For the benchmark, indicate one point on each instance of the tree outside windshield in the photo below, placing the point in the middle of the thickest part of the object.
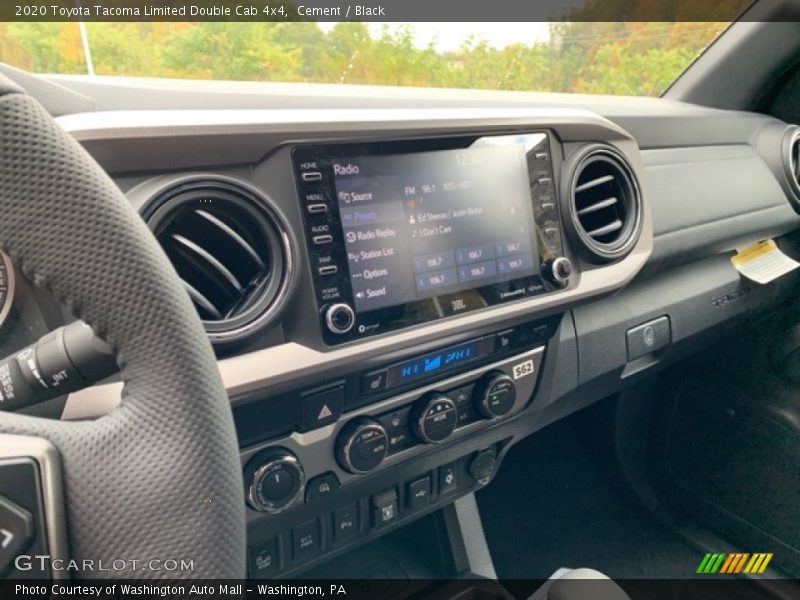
(586, 57)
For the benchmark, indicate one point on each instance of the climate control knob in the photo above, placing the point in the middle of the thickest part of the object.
(362, 445)
(339, 318)
(495, 395)
(558, 271)
(434, 418)
(276, 480)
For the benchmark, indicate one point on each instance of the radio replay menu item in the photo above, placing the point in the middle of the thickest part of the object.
(432, 223)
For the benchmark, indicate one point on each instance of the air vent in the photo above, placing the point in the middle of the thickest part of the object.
(229, 250)
(791, 160)
(605, 206)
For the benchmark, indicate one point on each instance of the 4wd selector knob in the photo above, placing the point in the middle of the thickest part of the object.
(434, 418)
(361, 445)
(495, 395)
(276, 480)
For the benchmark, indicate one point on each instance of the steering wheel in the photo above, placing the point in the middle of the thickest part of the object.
(159, 477)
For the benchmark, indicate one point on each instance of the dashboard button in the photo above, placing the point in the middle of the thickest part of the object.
(462, 395)
(319, 240)
(345, 523)
(504, 340)
(323, 407)
(305, 540)
(322, 486)
(311, 176)
(328, 270)
(264, 560)
(384, 508)
(467, 415)
(448, 478)
(419, 493)
(317, 208)
(373, 383)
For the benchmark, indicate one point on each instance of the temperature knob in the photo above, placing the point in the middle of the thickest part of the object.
(434, 418)
(495, 395)
(362, 445)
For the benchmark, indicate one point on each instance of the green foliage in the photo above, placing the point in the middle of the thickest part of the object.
(587, 57)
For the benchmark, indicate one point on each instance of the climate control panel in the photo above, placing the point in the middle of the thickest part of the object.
(377, 436)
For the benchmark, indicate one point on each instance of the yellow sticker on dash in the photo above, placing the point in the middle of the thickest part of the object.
(763, 262)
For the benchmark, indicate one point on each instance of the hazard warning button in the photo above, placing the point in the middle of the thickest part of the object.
(322, 407)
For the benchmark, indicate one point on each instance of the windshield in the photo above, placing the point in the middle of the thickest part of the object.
(586, 57)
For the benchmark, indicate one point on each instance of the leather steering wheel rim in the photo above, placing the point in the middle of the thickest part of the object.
(159, 477)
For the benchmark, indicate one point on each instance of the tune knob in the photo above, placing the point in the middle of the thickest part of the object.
(362, 445)
(558, 271)
(276, 480)
(339, 318)
(434, 418)
(495, 395)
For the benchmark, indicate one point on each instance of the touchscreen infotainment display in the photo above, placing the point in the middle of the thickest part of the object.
(424, 224)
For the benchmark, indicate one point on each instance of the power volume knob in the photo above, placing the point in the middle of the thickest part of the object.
(362, 445)
(558, 271)
(339, 318)
(434, 418)
(495, 395)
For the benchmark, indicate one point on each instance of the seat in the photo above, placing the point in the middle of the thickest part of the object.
(579, 584)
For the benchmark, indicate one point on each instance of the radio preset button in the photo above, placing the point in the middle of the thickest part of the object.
(340, 318)
(495, 395)
(434, 418)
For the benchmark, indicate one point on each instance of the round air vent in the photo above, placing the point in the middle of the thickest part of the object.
(229, 249)
(791, 160)
(604, 203)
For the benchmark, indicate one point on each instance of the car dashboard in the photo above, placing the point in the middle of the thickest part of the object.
(397, 296)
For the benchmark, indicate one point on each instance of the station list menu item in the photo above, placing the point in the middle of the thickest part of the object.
(431, 223)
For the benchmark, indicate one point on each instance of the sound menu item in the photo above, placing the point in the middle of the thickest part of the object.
(424, 224)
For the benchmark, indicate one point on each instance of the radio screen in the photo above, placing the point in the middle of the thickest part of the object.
(431, 223)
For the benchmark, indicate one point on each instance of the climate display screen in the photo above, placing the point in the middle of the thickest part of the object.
(424, 224)
(440, 361)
